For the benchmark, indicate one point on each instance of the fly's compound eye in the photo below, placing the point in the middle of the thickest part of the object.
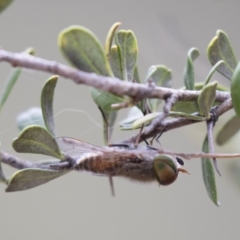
(165, 169)
(180, 161)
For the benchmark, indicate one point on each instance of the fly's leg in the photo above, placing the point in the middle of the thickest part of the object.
(138, 137)
(107, 134)
(148, 145)
(157, 139)
(119, 145)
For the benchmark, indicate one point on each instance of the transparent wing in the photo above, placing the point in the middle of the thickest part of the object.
(76, 148)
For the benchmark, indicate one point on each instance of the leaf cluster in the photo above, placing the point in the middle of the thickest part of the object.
(118, 58)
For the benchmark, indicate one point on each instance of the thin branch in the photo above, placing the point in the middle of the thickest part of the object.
(223, 107)
(170, 124)
(19, 163)
(169, 102)
(113, 85)
(200, 154)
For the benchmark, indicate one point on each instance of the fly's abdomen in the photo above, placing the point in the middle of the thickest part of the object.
(97, 163)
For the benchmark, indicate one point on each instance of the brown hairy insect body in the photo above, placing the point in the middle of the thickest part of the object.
(142, 163)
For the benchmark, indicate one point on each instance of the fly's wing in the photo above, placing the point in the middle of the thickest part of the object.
(76, 148)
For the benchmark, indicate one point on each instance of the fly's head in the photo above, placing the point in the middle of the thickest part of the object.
(166, 168)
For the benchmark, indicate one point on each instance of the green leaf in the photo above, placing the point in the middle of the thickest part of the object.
(35, 139)
(4, 4)
(220, 49)
(190, 107)
(83, 49)
(47, 103)
(10, 82)
(208, 175)
(110, 36)
(230, 128)
(161, 76)
(235, 90)
(187, 107)
(115, 62)
(212, 71)
(133, 114)
(30, 178)
(127, 43)
(206, 99)
(186, 115)
(32, 116)
(12, 79)
(145, 120)
(104, 100)
(189, 80)
(136, 77)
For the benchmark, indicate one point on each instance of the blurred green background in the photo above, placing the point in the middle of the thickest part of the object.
(80, 205)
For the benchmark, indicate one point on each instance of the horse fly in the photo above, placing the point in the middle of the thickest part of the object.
(139, 163)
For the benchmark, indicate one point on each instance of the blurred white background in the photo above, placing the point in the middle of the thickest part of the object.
(79, 205)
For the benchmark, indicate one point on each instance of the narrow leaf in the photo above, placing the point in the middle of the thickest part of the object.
(104, 100)
(35, 139)
(230, 128)
(189, 80)
(145, 120)
(133, 114)
(127, 43)
(32, 116)
(83, 49)
(190, 107)
(235, 90)
(12, 79)
(4, 4)
(161, 76)
(47, 103)
(110, 36)
(30, 178)
(208, 175)
(10, 82)
(220, 49)
(206, 99)
(212, 71)
(136, 77)
(186, 115)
